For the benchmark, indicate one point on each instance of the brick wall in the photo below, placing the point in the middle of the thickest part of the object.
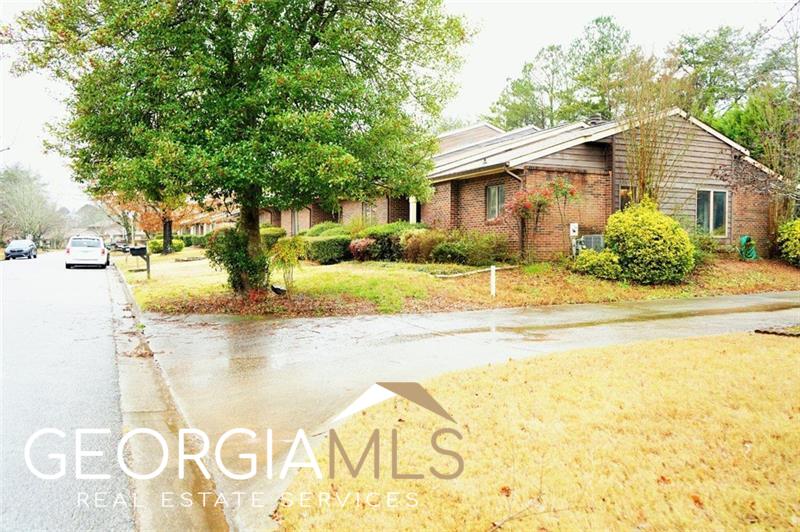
(350, 210)
(470, 211)
(750, 216)
(397, 209)
(590, 210)
(462, 204)
(439, 211)
(318, 214)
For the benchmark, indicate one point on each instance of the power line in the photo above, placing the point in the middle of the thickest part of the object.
(779, 20)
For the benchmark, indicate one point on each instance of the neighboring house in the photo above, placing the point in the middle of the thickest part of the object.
(384, 209)
(204, 221)
(479, 166)
(472, 181)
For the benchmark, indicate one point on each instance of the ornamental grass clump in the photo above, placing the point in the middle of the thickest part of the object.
(652, 247)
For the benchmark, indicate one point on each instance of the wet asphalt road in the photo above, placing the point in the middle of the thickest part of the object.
(58, 370)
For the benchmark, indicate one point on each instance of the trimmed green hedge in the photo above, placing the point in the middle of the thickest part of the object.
(652, 247)
(328, 249)
(270, 235)
(322, 227)
(177, 245)
(200, 241)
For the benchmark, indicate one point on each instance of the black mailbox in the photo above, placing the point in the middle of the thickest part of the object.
(139, 251)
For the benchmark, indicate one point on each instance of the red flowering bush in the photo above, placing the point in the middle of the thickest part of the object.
(529, 204)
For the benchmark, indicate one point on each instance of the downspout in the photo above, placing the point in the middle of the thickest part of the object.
(522, 228)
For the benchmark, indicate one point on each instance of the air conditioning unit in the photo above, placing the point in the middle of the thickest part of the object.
(594, 242)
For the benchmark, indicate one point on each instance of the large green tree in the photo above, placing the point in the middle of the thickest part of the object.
(269, 103)
(564, 84)
(597, 60)
(723, 66)
(25, 209)
(538, 95)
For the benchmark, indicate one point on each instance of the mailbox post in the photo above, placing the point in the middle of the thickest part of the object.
(141, 251)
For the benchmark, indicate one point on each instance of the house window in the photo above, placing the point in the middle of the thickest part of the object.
(712, 212)
(625, 196)
(495, 197)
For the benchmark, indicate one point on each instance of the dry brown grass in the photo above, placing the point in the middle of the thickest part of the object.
(697, 434)
(374, 287)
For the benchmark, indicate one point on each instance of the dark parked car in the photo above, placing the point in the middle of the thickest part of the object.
(20, 248)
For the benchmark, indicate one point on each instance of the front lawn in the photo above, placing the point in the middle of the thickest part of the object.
(186, 282)
(693, 434)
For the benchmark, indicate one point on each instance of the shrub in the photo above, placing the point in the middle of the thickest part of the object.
(357, 224)
(652, 247)
(387, 238)
(187, 239)
(328, 249)
(484, 249)
(155, 245)
(270, 235)
(227, 249)
(450, 251)
(336, 231)
(177, 245)
(789, 241)
(321, 227)
(363, 249)
(200, 241)
(418, 244)
(705, 246)
(285, 255)
(603, 264)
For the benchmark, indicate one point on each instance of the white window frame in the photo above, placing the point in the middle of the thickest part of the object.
(711, 192)
(500, 187)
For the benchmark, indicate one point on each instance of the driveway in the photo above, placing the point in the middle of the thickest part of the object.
(58, 370)
(230, 372)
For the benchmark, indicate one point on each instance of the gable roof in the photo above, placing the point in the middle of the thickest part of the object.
(467, 135)
(515, 148)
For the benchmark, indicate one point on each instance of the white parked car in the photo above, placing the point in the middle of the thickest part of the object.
(86, 251)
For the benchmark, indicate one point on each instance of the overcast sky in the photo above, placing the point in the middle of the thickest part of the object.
(509, 33)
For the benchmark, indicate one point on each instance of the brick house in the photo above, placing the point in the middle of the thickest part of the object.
(471, 181)
(384, 209)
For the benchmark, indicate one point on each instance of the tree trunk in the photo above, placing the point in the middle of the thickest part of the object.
(248, 222)
(167, 232)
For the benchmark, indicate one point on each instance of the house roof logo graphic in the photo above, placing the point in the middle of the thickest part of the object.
(381, 391)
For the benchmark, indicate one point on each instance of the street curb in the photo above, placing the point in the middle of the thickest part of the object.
(164, 384)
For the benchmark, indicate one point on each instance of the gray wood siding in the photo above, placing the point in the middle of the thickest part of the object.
(697, 155)
(591, 157)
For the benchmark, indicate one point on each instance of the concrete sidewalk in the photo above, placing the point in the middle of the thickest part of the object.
(227, 372)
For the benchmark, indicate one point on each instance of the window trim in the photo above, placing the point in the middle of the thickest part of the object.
(500, 201)
(711, 192)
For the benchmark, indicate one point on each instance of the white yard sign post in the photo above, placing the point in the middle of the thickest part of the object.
(493, 280)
